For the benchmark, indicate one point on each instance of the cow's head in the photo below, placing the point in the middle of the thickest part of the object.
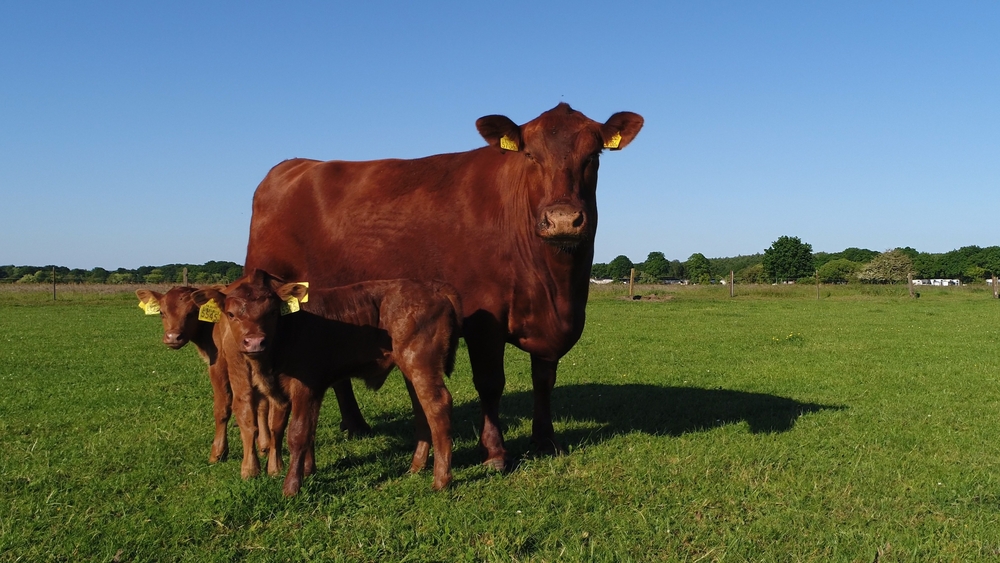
(251, 307)
(177, 310)
(559, 152)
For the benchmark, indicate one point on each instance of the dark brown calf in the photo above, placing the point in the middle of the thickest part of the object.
(362, 331)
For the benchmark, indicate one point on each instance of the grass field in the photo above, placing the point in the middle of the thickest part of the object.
(775, 426)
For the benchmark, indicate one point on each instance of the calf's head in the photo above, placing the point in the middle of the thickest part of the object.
(177, 310)
(555, 158)
(250, 307)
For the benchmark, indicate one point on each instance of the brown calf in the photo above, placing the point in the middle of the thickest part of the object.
(362, 331)
(180, 326)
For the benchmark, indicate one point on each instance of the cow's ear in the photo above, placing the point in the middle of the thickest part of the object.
(299, 291)
(499, 131)
(620, 129)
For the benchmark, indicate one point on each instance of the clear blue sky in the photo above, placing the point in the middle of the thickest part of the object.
(134, 134)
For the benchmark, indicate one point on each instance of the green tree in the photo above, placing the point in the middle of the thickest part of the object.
(891, 266)
(752, 274)
(698, 268)
(840, 270)
(155, 276)
(788, 258)
(656, 266)
(620, 268)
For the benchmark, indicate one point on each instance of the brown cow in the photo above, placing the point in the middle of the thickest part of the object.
(511, 226)
(362, 331)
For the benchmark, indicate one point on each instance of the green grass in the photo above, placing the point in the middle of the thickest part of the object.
(770, 427)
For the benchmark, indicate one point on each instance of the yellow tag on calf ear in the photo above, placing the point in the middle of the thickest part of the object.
(305, 297)
(290, 306)
(210, 312)
(507, 144)
(613, 142)
(151, 307)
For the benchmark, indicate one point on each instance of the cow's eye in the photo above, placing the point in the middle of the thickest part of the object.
(230, 315)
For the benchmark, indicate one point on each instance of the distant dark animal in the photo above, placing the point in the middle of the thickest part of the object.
(363, 331)
(510, 225)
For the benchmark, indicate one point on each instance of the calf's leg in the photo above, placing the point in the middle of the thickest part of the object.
(301, 434)
(433, 415)
(246, 417)
(222, 400)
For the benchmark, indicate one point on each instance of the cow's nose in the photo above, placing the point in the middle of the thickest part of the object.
(562, 221)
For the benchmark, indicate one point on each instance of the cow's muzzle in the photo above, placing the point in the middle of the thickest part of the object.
(563, 225)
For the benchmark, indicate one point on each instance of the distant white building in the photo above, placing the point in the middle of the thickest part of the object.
(938, 282)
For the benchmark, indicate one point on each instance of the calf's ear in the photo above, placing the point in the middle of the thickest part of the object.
(299, 291)
(499, 131)
(203, 296)
(620, 129)
(145, 296)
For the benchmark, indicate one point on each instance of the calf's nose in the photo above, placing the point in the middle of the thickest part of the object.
(254, 344)
(173, 339)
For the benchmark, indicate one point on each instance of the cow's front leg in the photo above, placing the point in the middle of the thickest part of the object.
(543, 379)
(486, 357)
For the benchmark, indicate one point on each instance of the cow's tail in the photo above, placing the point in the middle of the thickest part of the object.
(456, 325)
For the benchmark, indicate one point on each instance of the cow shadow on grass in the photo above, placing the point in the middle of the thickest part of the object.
(586, 414)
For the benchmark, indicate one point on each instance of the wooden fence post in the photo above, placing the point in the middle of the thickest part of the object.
(909, 283)
(732, 286)
(817, 283)
(53, 283)
(631, 282)
(996, 292)
(185, 275)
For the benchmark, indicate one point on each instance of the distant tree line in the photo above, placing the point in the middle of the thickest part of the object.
(207, 273)
(789, 259)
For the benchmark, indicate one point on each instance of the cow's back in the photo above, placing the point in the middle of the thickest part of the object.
(335, 223)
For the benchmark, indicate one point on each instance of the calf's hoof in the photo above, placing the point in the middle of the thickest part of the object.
(496, 463)
(441, 483)
(217, 457)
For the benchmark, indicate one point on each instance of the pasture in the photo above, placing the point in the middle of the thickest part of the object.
(770, 427)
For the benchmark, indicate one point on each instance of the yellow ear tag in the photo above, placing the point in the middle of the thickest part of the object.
(151, 307)
(507, 144)
(290, 306)
(305, 298)
(613, 142)
(210, 312)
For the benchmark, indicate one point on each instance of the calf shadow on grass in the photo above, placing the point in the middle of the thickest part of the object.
(593, 412)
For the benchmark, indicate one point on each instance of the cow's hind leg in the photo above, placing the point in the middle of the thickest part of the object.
(351, 418)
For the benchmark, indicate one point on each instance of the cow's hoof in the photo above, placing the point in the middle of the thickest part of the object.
(354, 431)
